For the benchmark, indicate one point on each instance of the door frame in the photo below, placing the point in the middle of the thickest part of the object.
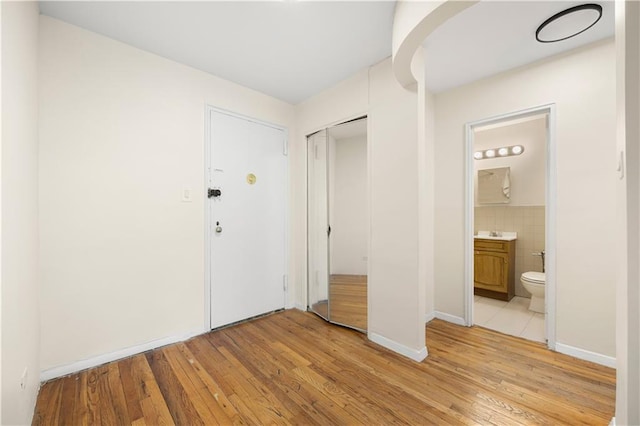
(207, 213)
(551, 179)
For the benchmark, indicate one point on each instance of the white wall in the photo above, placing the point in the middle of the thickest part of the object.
(122, 132)
(582, 85)
(628, 224)
(527, 170)
(393, 277)
(350, 223)
(395, 313)
(20, 319)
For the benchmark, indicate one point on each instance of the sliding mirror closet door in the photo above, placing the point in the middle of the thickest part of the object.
(338, 223)
(318, 224)
(349, 220)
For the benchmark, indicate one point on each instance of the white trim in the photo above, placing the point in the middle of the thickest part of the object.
(550, 214)
(607, 361)
(288, 302)
(453, 319)
(207, 219)
(414, 354)
(550, 229)
(450, 318)
(370, 196)
(74, 367)
(469, 225)
(612, 422)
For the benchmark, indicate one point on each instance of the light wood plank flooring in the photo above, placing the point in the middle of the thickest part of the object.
(348, 295)
(294, 368)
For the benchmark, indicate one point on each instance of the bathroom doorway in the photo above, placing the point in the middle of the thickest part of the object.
(510, 217)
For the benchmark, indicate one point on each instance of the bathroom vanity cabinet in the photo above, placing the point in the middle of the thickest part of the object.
(494, 268)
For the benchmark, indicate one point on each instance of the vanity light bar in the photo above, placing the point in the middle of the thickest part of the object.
(505, 151)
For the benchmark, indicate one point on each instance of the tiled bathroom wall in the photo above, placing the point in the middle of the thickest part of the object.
(528, 222)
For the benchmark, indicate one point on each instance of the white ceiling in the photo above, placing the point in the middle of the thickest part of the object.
(496, 36)
(292, 50)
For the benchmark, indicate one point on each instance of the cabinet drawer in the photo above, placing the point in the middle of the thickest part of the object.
(491, 245)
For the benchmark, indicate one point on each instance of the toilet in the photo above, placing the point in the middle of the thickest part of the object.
(534, 282)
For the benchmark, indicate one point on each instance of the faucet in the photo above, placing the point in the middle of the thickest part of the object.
(541, 254)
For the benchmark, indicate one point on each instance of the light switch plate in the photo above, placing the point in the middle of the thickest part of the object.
(187, 194)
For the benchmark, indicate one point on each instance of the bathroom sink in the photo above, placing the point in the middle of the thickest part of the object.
(501, 236)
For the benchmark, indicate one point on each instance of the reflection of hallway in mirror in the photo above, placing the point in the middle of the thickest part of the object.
(348, 294)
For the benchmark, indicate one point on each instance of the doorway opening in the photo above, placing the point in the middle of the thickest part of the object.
(510, 230)
(338, 224)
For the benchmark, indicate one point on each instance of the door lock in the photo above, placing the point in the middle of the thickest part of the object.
(218, 228)
(214, 192)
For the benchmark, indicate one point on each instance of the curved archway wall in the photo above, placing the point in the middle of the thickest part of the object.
(582, 85)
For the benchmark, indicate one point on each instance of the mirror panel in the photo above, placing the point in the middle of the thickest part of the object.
(494, 186)
(317, 224)
(349, 219)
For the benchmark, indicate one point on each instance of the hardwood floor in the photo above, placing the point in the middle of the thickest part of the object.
(293, 368)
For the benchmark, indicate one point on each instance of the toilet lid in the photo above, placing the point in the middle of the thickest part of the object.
(536, 277)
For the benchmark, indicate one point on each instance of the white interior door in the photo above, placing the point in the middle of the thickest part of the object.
(248, 166)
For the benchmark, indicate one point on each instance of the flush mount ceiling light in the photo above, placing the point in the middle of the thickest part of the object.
(569, 23)
(505, 151)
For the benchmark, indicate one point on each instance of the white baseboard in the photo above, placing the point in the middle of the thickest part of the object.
(299, 306)
(612, 422)
(445, 317)
(416, 355)
(74, 367)
(607, 361)
(429, 316)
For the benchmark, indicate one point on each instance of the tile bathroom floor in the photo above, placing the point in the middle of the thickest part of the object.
(513, 317)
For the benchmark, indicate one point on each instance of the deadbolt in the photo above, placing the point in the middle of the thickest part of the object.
(214, 192)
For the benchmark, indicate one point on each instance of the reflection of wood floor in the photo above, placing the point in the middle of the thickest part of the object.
(321, 308)
(348, 295)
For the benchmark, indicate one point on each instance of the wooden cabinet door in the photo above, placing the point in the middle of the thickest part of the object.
(491, 270)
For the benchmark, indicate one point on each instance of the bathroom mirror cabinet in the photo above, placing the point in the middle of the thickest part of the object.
(494, 186)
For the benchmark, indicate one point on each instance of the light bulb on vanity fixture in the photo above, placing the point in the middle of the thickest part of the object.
(517, 149)
(505, 151)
